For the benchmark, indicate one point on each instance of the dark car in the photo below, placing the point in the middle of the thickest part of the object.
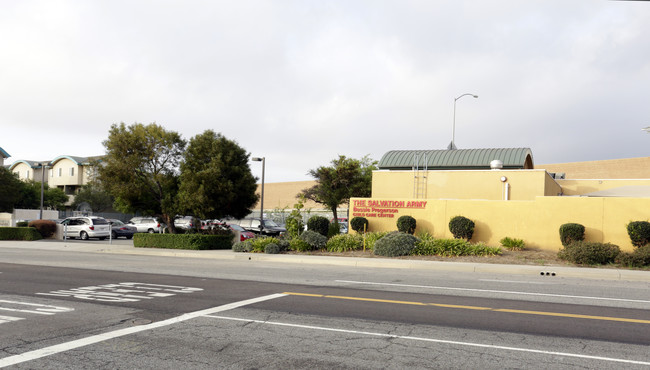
(269, 227)
(120, 229)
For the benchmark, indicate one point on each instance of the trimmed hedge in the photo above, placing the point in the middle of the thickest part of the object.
(639, 232)
(461, 227)
(406, 224)
(571, 232)
(314, 239)
(357, 224)
(319, 224)
(47, 228)
(639, 258)
(19, 233)
(395, 244)
(590, 253)
(182, 241)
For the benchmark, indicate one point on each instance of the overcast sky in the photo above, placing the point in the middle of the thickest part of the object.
(300, 82)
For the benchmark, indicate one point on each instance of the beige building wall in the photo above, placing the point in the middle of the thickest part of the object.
(464, 184)
(282, 195)
(627, 168)
(66, 172)
(24, 171)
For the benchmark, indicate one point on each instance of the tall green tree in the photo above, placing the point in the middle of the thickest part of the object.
(216, 179)
(55, 198)
(141, 168)
(10, 190)
(344, 179)
(94, 194)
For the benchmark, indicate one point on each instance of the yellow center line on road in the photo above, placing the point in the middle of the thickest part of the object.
(507, 310)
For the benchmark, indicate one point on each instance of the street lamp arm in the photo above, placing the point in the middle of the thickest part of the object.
(452, 145)
(475, 96)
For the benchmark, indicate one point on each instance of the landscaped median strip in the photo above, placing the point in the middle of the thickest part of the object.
(507, 310)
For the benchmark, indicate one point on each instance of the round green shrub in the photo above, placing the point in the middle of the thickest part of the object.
(372, 237)
(242, 247)
(318, 224)
(639, 232)
(314, 239)
(47, 228)
(395, 244)
(406, 224)
(589, 253)
(571, 232)
(272, 248)
(344, 243)
(259, 244)
(461, 227)
(359, 224)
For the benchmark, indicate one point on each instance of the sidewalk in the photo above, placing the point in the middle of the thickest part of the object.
(105, 247)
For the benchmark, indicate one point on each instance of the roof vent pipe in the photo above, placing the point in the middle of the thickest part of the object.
(496, 164)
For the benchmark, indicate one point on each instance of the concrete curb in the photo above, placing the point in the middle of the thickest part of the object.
(559, 271)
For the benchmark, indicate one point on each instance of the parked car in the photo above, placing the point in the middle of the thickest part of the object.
(119, 228)
(244, 235)
(210, 224)
(185, 222)
(86, 227)
(269, 227)
(146, 225)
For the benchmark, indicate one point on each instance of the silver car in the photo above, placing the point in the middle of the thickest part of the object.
(86, 227)
(147, 225)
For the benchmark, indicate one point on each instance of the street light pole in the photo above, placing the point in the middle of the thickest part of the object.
(452, 145)
(263, 160)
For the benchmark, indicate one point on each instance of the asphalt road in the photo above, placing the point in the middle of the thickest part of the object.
(125, 311)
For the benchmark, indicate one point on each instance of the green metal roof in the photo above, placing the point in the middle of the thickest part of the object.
(456, 159)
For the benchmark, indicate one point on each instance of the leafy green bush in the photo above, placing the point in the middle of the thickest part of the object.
(395, 244)
(47, 228)
(571, 232)
(272, 248)
(344, 243)
(372, 237)
(461, 227)
(406, 224)
(334, 229)
(182, 241)
(299, 245)
(22, 224)
(243, 247)
(318, 224)
(314, 239)
(294, 226)
(589, 253)
(359, 224)
(639, 258)
(19, 233)
(259, 244)
(513, 244)
(452, 248)
(639, 232)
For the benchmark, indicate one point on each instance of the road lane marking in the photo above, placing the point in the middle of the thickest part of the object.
(493, 291)
(63, 347)
(539, 313)
(5, 319)
(439, 341)
(122, 292)
(40, 309)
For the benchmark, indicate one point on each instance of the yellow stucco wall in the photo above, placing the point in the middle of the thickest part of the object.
(626, 168)
(65, 178)
(536, 221)
(580, 186)
(477, 184)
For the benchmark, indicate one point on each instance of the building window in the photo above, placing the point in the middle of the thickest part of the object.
(52, 173)
(71, 171)
(60, 172)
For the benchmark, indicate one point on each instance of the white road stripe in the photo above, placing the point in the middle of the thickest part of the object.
(33, 355)
(493, 291)
(441, 341)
